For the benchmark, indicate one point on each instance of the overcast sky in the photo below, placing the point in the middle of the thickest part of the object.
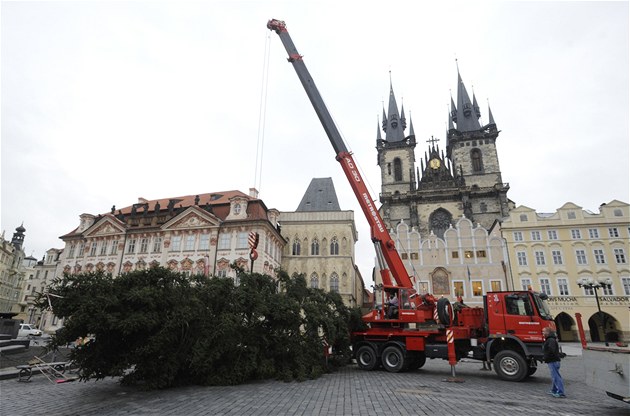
(105, 102)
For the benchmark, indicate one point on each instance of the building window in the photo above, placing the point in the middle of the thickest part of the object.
(334, 283)
(540, 258)
(589, 291)
(526, 284)
(613, 232)
(458, 288)
(204, 241)
(523, 217)
(557, 256)
(242, 240)
(224, 241)
(580, 256)
(131, 246)
(176, 243)
(536, 235)
(189, 245)
(593, 233)
(496, 285)
(571, 215)
(522, 258)
(455, 254)
(404, 256)
(315, 247)
(620, 256)
(477, 162)
(477, 288)
(104, 248)
(575, 234)
(483, 207)
(413, 256)
(545, 286)
(157, 244)
(518, 236)
(334, 247)
(607, 290)
(144, 245)
(481, 253)
(625, 282)
(70, 251)
(617, 213)
(468, 254)
(599, 256)
(93, 248)
(563, 287)
(296, 247)
(397, 170)
(553, 234)
(222, 273)
(114, 247)
(314, 281)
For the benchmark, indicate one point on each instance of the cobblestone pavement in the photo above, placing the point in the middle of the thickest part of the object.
(346, 392)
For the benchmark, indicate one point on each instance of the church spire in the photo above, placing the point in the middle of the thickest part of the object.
(394, 131)
(467, 119)
(490, 117)
(411, 132)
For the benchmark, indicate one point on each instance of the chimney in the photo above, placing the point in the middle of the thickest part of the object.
(253, 192)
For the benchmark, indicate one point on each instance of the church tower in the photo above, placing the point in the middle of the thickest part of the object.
(472, 149)
(396, 159)
(462, 180)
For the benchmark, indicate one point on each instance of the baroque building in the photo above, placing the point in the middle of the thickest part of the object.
(321, 240)
(200, 234)
(552, 252)
(12, 270)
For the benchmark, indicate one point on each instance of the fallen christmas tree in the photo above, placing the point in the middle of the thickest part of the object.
(157, 328)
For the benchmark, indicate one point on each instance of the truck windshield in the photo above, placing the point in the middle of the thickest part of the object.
(543, 308)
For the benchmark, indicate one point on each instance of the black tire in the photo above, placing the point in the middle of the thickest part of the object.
(445, 311)
(510, 365)
(417, 361)
(393, 359)
(531, 371)
(366, 358)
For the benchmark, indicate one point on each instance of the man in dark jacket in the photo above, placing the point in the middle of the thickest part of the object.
(551, 355)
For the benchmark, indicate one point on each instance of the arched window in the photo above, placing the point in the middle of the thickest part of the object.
(334, 247)
(314, 281)
(296, 247)
(477, 162)
(315, 247)
(397, 169)
(334, 283)
(483, 207)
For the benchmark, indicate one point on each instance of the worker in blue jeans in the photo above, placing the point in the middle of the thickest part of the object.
(552, 356)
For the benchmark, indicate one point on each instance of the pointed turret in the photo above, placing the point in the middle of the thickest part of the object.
(411, 132)
(490, 117)
(395, 129)
(403, 120)
(467, 120)
(18, 237)
(378, 133)
(476, 106)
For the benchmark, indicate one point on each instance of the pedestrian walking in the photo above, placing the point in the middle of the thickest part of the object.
(552, 356)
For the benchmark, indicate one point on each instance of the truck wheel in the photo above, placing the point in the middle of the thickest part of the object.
(445, 311)
(393, 359)
(366, 358)
(417, 361)
(510, 365)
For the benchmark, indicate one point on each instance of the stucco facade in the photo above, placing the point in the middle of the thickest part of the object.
(552, 252)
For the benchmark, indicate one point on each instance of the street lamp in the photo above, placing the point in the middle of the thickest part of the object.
(589, 283)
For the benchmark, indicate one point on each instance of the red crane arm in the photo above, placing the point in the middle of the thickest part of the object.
(380, 236)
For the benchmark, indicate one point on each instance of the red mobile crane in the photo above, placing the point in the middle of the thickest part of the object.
(507, 331)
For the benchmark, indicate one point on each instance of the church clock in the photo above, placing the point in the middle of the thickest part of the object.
(434, 163)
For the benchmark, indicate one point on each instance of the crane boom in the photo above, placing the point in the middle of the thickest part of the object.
(381, 238)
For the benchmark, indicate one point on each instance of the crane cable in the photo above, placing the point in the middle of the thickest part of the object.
(262, 114)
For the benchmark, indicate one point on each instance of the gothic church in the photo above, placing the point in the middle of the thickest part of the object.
(463, 182)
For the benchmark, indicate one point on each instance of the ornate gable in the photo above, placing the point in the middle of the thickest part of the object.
(192, 218)
(107, 226)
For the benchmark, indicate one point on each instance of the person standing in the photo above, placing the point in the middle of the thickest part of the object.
(551, 355)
